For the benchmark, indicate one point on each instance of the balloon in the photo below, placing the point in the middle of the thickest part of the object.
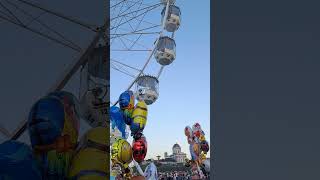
(121, 152)
(194, 151)
(188, 131)
(91, 157)
(53, 126)
(126, 102)
(139, 149)
(204, 146)
(116, 118)
(139, 116)
(17, 162)
(151, 172)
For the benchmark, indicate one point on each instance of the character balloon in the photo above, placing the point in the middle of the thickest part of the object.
(53, 126)
(139, 116)
(139, 149)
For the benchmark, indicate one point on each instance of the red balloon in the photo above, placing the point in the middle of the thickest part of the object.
(139, 149)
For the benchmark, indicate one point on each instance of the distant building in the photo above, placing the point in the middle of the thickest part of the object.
(177, 154)
(176, 157)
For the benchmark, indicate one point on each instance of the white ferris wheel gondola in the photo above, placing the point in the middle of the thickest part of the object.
(165, 52)
(147, 89)
(173, 20)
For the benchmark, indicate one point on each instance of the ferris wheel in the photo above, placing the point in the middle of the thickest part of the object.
(141, 45)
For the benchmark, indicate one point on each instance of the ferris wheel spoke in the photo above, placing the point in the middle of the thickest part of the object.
(143, 4)
(41, 34)
(142, 20)
(4, 14)
(44, 25)
(135, 42)
(60, 15)
(123, 64)
(121, 70)
(132, 18)
(124, 44)
(148, 9)
(11, 13)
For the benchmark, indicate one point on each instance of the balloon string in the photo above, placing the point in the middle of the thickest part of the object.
(138, 168)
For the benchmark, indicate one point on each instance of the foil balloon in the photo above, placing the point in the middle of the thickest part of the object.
(17, 162)
(121, 152)
(126, 102)
(117, 120)
(151, 172)
(89, 162)
(194, 151)
(139, 116)
(139, 149)
(53, 126)
(204, 146)
(188, 132)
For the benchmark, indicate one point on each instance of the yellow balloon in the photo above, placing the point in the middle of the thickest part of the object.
(121, 151)
(91, 156)
(202, 138)
(141, 110)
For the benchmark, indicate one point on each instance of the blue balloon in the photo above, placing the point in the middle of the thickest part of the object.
(46, 121)
(124, 99)
(117, 120)
(18, 162)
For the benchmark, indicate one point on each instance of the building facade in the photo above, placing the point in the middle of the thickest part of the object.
(177, 155)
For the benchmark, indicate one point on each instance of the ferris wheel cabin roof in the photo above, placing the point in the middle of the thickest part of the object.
(143, 77)
(172, 8)
(163, 38)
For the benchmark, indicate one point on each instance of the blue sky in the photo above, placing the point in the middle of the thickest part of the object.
(184, 85)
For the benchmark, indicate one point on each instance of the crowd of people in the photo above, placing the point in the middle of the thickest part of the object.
(179, 175)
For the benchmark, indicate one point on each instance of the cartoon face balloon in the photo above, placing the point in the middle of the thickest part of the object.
(204, 146)
(53, 126)
(121, 152)
(139, 149)
(126, 102)
(91, 157)
(139, 116)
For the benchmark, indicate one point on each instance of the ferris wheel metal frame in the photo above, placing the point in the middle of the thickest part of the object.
(101, 33)
(167, 3)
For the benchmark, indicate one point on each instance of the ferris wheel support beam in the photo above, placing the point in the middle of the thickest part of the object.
(152, 52)
(70, 19)
(68, 73)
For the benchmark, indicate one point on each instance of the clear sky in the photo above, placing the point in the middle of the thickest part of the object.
(184, 85)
